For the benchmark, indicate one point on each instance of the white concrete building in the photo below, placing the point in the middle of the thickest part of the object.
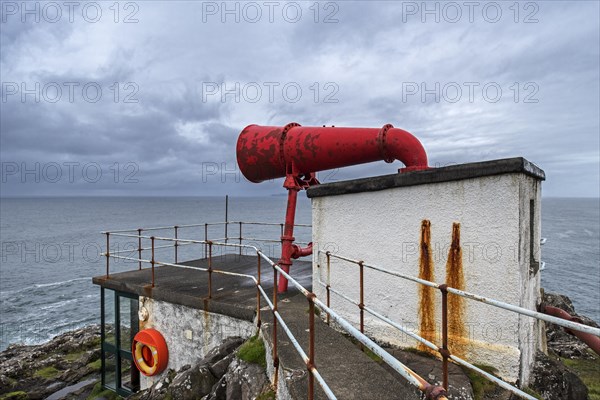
(379, 220)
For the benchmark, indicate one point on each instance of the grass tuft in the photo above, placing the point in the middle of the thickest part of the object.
(253, 351)
(74, 356)
(20, 395)
(588, 370)
(95, 365)
(47, 373)
(101, 393)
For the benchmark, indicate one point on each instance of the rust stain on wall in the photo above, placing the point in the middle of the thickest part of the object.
(426, 293)
(457, 338)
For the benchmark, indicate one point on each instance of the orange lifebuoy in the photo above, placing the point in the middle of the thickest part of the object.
(150, 352)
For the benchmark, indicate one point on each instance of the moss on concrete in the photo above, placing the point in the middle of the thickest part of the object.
(588, 370)
(418, 352)
(47, 373)
(372, 355)
(253, 351)
(480, 384)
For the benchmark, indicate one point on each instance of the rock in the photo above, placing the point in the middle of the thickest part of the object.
(192, 384)
(40, 370)
(245, 380)
(209, 379)
(225, 348)
(554, 381)
(219, 368)
(219, 391)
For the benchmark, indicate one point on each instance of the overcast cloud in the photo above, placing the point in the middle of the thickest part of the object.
(148, 97)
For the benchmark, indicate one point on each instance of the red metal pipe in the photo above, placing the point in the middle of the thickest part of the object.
(297, 153)
(287, 239)
(298, 251)
(268, 152)
(591, 340)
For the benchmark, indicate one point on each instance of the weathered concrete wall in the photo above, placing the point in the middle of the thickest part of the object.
(190, 333)
(383, 228)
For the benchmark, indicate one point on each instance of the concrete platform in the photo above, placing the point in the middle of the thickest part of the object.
(233, 296)
(350, 372)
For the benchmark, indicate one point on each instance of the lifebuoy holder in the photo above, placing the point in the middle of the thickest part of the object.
(150, 352)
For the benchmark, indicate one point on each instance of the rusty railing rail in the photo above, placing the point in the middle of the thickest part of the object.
(177, 230)
(432, 392)
(444, 289)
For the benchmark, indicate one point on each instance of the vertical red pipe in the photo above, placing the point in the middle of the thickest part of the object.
(288, 238)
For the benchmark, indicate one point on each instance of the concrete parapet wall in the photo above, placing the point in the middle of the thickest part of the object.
(190, 333)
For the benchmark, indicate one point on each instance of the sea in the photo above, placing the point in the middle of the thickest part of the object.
(52, 247)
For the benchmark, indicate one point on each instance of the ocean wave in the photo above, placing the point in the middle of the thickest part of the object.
(41, 285)
(58, 304)
(5, 293)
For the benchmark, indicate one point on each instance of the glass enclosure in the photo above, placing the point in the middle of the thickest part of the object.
(119, 316)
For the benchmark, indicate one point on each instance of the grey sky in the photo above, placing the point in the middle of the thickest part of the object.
(164, 124)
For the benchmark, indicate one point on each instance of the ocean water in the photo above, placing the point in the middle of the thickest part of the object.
(50, 249)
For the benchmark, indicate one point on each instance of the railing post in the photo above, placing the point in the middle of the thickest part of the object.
(311, 345)
(226, 216)
(107, 255)
(328, 287)
(205, 239)
(444, 352)
(240, 238)
(258, 322)
(152, 262)
(361, 305)
(176, 243)
(210, 270)
(139, 248)
(275, 356)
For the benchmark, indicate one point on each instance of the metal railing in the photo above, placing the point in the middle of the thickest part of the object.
(444, 289)
(178, 243)
(431, 391)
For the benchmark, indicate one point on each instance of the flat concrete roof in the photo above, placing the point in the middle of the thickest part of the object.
(232, 295)
(516, 165)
